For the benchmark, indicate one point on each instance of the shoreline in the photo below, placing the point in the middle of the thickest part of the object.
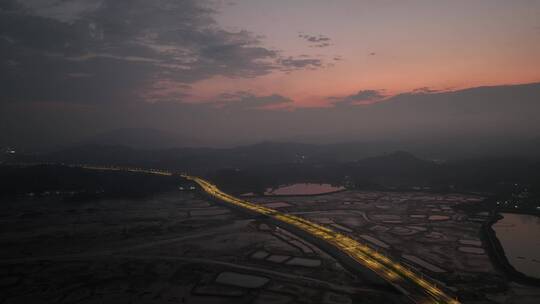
(296, 195)
(497, 255)
(494, 248)
(356, 189)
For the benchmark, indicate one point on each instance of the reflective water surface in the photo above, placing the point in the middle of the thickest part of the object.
(519, 235)
(303, 189)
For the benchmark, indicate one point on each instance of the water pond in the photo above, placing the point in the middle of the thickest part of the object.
(303, 189)
(519, 235)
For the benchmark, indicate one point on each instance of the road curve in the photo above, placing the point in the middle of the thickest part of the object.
(411, 284)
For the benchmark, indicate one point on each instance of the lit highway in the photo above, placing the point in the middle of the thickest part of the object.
(410, 283)
(414, 286)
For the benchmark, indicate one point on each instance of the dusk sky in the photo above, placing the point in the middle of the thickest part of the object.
(89, 66)
(270, 151)
(392, 46)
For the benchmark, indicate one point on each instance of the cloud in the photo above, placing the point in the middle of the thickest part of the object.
(292, 63)
(321, 45)
(424, 90)
(66, 11)
(242, 100)
(511, 109)
(316, 40)
(361, 97)
(123, 48)
(10, 6)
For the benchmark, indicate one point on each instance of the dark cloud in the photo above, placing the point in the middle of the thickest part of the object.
(316, 40)
(472, 112)
(117, 50)
(292, 63)
(313, 38)
(358, 98)
(10, 6)
(242, 100)
(321, 45)
(424, 90)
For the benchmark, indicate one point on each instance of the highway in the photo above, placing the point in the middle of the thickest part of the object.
(411, 284)
(414, 286)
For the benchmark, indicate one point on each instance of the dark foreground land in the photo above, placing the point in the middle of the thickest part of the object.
(89, 240)
(172, 247)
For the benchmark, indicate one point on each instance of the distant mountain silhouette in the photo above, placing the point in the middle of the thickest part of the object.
(141, 138)
(396, 168)
(499, 120)
(190, 158)
(255, 167)
(396, 157)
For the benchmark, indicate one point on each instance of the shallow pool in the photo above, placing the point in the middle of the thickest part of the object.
(303, 189)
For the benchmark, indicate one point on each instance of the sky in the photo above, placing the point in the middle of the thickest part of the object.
(391, 46)
(237, 68)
